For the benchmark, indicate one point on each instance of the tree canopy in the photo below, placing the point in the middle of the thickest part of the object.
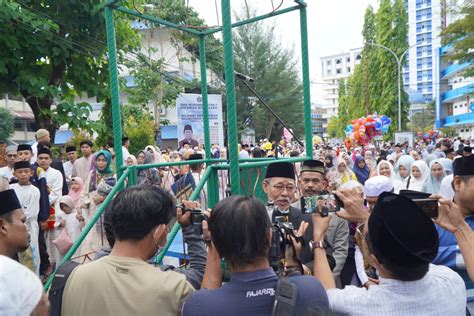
(258, 54)
(54, 51)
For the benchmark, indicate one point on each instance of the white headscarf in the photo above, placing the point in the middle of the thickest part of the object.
(20, 288)
(432, 184)
(397, 185)
(415, 184)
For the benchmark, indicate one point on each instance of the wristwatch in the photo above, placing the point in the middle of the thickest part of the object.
(316, 244)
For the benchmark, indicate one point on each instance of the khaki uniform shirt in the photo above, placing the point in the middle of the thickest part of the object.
(124, 286)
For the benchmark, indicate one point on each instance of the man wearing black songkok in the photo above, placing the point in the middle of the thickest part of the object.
(13, 232)
(401, 241)
(280, 186)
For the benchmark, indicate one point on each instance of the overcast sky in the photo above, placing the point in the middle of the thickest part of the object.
(334, 26)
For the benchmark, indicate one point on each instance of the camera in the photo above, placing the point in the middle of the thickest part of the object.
(428, 206)
(322, 204)
(196, 218)
(281, 238)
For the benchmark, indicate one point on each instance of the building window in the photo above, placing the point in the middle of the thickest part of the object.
(358, 57)
(338, 71)
(329, 72)
(18, 126)
(348, 69)
(338, 61)
(348, 59)
(328, 63)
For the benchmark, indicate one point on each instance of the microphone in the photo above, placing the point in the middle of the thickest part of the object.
(243, 77)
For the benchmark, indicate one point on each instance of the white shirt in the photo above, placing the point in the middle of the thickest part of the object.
(244, 154)
(6, 172)
(29, 197)
(34, 150)
(203, 194)
(68, 169)
(54, 180)
(125, 155)
(441, 292)
(72, 227)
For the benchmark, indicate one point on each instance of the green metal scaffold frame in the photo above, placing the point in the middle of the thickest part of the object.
(213, 165)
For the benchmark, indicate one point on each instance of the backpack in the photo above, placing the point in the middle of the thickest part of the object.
(57, 287)
(286, 294)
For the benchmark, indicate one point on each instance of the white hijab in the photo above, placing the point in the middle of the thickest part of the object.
(397, 185)
(20, 288)
(417, 185)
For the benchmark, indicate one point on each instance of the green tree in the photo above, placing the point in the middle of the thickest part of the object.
(7, 125)
(373, 87)
(423, 121)
(461, 35)
(54, 51)
(258, 54)
(139, 126)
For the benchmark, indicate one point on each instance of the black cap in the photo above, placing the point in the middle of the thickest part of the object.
(188, 127)
(195, 157)
(313, 166)
(401, 233)
(467, 149)
(280, 170)
(9, 202)
(464, 166)
(44, 150)
(449, 150)
(21, 165)
(71, 148)
(22, 147)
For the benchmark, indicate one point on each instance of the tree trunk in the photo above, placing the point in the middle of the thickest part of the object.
(39, 106)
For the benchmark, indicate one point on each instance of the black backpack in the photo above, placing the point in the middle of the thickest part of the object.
(57, 286)
(286, 294)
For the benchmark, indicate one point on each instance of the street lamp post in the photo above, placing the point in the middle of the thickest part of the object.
(399, 67)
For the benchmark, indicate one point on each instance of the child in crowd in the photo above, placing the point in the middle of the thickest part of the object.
(29, 197)
(67, 220)
(77, 187)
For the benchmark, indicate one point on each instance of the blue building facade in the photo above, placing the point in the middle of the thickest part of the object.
(454, 94)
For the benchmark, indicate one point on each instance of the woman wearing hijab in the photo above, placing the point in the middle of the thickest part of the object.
(447, 165)
(430, 158)
(100, 176)
(147, 176)
(385, 168)
(342, 174)
(165, 173)
(131, 160)
(418, 175)
(403, 168)
(433, 182)
(361, 170)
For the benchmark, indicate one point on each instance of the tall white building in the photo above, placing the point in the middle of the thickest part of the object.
(425, 22)
(333, 69)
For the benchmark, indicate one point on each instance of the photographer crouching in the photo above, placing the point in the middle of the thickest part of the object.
(241, 234)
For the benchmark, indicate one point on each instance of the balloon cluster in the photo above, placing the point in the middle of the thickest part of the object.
(363, 129)
(430, 135)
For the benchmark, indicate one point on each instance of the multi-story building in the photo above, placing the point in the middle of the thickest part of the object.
(425, 22)
(335, 68)
(454, 95)
(318, 122)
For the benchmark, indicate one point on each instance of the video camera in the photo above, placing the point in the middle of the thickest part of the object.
(281, 238)
(196, 218)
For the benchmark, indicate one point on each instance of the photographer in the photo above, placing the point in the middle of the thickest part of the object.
(280, 186)
(401, 242)
(241, 234)
(311, 183)
(123, 283)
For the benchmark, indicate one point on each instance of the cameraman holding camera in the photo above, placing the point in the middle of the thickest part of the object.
(241, 234)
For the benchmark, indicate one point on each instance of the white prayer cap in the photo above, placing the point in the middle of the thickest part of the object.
(351, 184)
(20, 289)
(374, 186)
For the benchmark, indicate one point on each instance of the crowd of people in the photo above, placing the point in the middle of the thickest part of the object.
(373, 243)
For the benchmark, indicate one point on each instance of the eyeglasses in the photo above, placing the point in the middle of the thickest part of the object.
(280, 187)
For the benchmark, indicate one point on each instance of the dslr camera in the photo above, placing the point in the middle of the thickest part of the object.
(281, 238)
(196, 218)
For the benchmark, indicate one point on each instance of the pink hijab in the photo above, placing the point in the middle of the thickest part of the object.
(76, 195)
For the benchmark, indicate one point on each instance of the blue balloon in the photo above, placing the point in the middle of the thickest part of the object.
(378, 126)
(384, 129)
(389, 121)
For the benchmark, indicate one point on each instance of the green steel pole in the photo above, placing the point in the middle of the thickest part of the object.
(230, 97)
(114, 90)
(306, 81)
(261, 163)
(88, 226)
(205, 103)
(172, 234)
